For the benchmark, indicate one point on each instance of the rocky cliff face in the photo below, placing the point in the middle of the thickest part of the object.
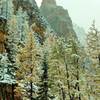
(34, 14)
(32, 10)
(58, 18)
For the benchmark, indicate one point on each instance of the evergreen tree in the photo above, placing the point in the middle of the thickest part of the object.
(22, 26)
(43, 85)
(12, 41)
(65, 70)
(27, 72)
(93, 45)
(57, 69)
(11, 50)
(93, 52)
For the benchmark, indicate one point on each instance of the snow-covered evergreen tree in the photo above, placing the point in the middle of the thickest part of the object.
(43, 85)
(22, 25)
(93, 52)
(27, 74)
(93, 42)
(65, 70)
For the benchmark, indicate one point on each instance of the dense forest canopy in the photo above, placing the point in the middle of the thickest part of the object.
(41, 57)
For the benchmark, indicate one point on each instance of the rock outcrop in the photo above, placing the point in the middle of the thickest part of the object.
(32, 10)
(58, 18)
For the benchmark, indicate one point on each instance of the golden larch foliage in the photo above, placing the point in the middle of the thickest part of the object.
(2, 42)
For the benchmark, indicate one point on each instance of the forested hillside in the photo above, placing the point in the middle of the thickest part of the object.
(40, 62)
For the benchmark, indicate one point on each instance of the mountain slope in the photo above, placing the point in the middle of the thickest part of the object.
(58, 18)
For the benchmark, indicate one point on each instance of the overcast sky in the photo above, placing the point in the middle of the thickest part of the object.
(82, 12)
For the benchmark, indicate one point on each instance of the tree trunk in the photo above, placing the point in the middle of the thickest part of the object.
(67, 75)
(63, 94)
(77, 86)
(45, 78)
(3, 92)
(13, 92)
(31, 91)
